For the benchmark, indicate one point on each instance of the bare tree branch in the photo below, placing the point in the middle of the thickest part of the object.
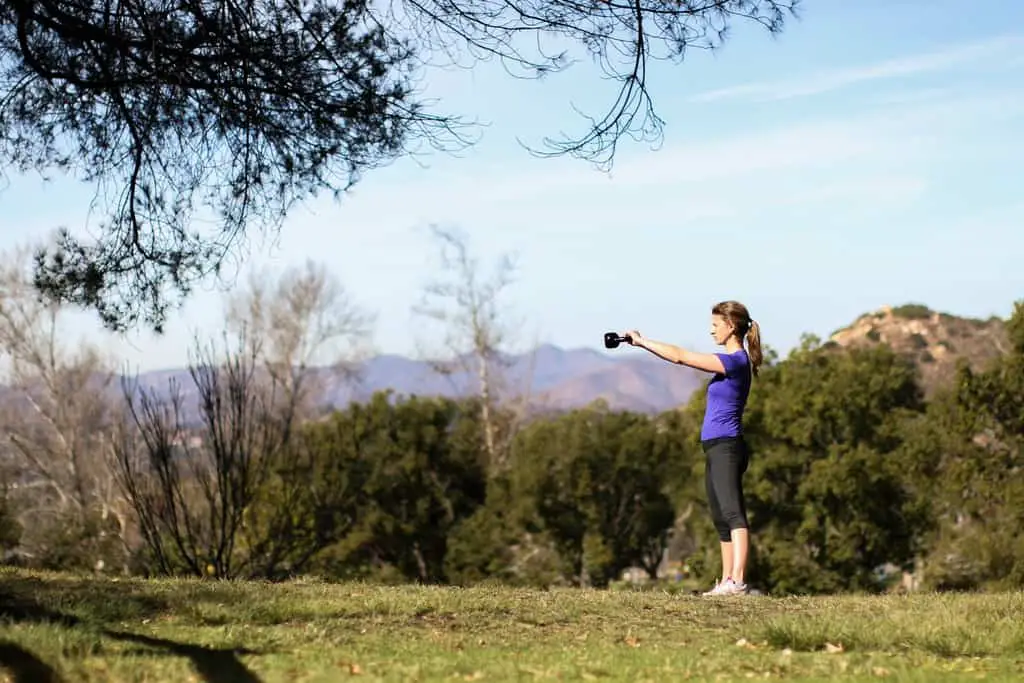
(309, 330)
(193, 484)
(537, 38)
(467, 306)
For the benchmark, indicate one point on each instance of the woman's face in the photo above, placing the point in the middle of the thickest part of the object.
(721, 330)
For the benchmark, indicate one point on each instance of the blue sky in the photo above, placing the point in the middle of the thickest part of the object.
(872, 154)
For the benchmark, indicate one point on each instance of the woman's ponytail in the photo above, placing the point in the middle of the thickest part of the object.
(753, 338)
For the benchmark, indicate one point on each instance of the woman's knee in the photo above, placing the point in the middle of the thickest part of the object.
(737, 521)
(729, 501)
(734, 512)
(728, 512)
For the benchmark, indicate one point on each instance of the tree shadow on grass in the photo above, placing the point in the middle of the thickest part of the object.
(214, 665)
(25, 667)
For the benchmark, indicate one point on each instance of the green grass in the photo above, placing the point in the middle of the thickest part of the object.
(62, 628)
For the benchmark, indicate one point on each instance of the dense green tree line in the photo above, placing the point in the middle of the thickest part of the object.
(852, 472)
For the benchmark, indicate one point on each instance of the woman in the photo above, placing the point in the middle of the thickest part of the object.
(725, 449)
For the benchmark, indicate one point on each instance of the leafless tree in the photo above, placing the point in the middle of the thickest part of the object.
(57, 413)
(308, 329)
(241, 109)
(467, 305)
(191, 483)
(239, 490)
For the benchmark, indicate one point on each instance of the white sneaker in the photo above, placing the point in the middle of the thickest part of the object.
(731, 587)
(728, 587)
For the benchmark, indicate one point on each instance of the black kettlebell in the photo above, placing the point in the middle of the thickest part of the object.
(613, 339)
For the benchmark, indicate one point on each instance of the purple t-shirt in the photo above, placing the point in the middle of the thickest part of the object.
(727, 397)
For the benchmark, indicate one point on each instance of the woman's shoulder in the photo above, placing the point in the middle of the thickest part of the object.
(735, 363)
(740, 356)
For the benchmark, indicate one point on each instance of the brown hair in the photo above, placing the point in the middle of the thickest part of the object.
(746, 328)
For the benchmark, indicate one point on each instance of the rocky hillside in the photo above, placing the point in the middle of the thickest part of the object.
(934, 340)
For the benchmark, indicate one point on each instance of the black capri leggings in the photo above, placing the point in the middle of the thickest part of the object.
(726, 460)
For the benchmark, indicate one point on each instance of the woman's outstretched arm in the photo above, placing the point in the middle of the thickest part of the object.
(708, 362)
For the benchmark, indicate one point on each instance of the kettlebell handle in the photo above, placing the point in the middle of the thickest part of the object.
(613, 339)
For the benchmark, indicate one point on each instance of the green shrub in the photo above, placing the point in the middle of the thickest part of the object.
(912, 312)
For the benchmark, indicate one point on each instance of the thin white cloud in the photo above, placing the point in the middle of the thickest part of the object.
(881, 136)
(826, 81)
(687, 181)
(866, 191)
(797, 147)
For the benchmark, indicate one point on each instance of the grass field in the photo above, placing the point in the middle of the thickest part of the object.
(62, 628)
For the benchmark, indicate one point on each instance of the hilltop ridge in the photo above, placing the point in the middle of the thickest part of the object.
(933, 340)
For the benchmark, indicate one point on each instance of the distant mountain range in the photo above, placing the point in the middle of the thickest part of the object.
(556, 379)
(560, 379)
